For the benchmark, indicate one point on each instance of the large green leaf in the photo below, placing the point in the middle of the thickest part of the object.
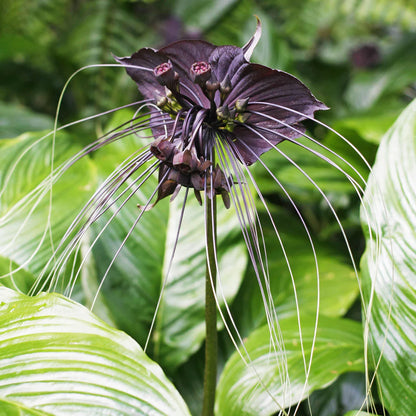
(29, 223)
(337, 284)
(57, 357)
(15, 120)
(359, 413)
(276, 379)
(11, 408)
(389, 267)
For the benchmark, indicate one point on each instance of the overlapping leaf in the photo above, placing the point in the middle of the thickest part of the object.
(57, 357)
(389, 267)
(275, 378)
(32, 217)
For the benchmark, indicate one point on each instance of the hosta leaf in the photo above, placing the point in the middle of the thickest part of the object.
(15, 120)
(28, 222)
(10, 408)
(337, 281)
(338, 348)
(21, 280)
(132, 285)
(359, 413)
(346, 393)
(389, 267)
(57, 357)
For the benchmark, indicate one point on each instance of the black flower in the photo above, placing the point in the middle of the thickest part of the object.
(209, 98)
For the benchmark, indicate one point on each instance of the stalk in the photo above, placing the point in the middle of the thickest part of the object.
(210, 372)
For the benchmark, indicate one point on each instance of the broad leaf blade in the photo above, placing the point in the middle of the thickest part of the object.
(389, 277)
(15, 120)
(58, 357)
(336, 282)
(29, 224)
(133, 281)
(338, 349)
(10, 408)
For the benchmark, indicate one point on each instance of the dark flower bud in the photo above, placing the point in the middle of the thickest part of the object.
(212, 86)
(162, 148)
(241, 105)
(200, 72)
(225, 198)
(225, 87)
(223, 112)
(165, 75)
(184, 162)
(198, 196)
(203, 165)
(198, 182)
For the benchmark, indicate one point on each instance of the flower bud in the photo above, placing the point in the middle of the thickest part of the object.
(165, 75)
(241, 105)
(225, 87)
(184, 162)
(200, 72)
(162, 148)
(223, 112)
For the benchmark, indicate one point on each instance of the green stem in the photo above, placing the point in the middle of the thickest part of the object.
(210, 372)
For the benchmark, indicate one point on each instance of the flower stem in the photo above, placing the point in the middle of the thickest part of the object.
(210, 372)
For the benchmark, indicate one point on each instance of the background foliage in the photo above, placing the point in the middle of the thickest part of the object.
(356, 56)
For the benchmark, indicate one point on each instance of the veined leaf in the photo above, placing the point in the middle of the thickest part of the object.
(33, 219)
(275, 379)
(15, 120)
(336, 284)
(57, 357)
(10, 408)
(389, 266)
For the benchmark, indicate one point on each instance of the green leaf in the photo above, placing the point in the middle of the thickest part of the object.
(338, 287)
(268, 382)
(20, 280)
(330, 180)
(57, 357)
(359, 413)
(30, 226)
(346, 393)
(389, 265)
(11, 408)
(137, 269)
(16, 120)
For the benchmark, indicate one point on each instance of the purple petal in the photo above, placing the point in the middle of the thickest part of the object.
(260, 83)
(183, 54)
(226, 60)
(248, 48)
(145, 79)
(250, 146)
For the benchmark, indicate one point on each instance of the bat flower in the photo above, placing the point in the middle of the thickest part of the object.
(210, 100)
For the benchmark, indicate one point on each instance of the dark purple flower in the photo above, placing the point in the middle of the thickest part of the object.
(210, 97)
